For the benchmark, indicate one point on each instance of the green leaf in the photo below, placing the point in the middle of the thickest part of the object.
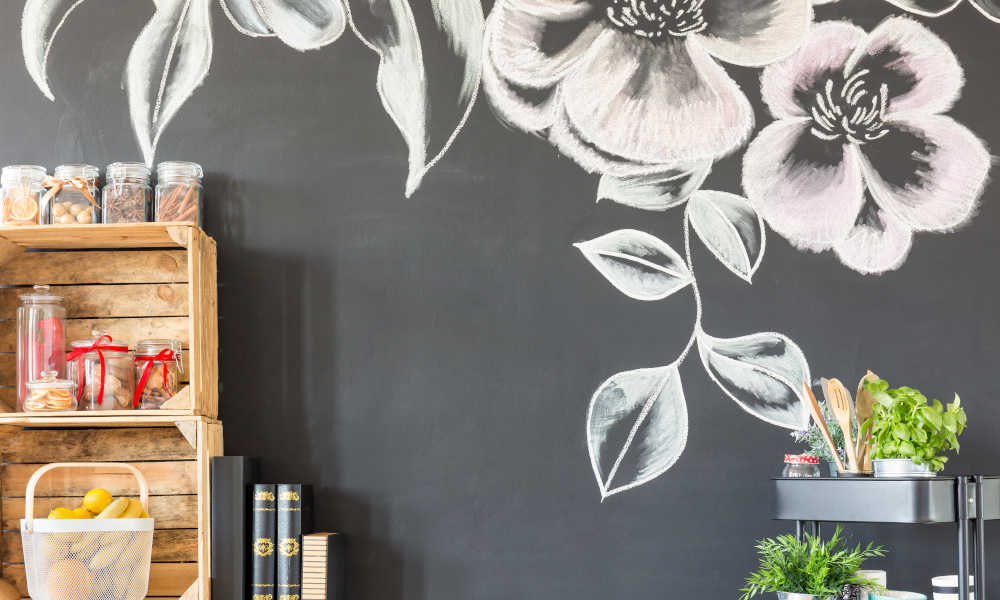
(902, 431)
(938, 407)
(950, 421)
(882, 398)
(906, 448)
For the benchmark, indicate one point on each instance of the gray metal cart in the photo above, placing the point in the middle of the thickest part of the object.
(968, 501)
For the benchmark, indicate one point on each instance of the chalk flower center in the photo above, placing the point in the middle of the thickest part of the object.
(657, 19)
(850, 108)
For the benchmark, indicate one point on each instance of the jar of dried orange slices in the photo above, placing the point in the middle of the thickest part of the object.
(50, 394)
(21, 190)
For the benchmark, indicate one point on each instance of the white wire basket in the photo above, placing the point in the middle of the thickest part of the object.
(86, 559)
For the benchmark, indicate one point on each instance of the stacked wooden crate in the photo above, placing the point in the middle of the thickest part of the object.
(138, 282)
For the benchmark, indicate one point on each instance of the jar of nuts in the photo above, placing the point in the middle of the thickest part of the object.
(21, 191)
(102, 370)
(72, 196)
(157, 363)
(50, 394)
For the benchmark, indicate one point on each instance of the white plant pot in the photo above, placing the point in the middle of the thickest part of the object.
(794, 596)
(901, 467)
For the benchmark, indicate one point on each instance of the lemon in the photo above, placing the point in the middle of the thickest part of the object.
(62, 513)
(97, 500)
(83, 513)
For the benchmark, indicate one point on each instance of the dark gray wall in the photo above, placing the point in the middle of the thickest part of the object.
(427, 363)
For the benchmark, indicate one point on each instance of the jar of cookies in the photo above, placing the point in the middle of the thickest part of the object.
(21, 192)
(41, 341)
(102, 370)
(157, 364)
(50, 394)
(72, 196)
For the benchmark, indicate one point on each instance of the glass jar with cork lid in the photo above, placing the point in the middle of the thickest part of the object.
(178, 192)
(71, 199)
(21, 189)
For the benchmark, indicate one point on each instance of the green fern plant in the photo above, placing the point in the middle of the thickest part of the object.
(809, 566)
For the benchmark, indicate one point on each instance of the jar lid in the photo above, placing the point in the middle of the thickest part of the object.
(801, 459)
(41, 294)
(179, 168)
(127, 170)
(49, 380)
(68, 171)
(110, 345)
(23, 174)
(143, 346)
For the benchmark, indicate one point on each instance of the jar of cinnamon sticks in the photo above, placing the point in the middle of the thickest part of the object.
(21, 193)
(127, 194)
(178, 192)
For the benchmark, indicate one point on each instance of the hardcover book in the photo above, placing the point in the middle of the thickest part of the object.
(233, 478)
(295, 517)
(263, 544)
(323, 557)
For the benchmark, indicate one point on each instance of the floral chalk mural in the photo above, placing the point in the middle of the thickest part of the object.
(858, 154)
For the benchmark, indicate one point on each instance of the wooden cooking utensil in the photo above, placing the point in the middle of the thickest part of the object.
(840, 405)
(865, 407)
(817, 416)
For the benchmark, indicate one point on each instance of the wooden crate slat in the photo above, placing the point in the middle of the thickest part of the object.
(165, 478)
(169, 512)
(83, 445)
(101, 301)
(112, 266)
(129, 329)
(169, 545)
(132, 235)
(204, 332)
(8, 372)
(165, 579)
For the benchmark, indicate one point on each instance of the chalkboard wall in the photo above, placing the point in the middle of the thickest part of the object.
(437, 357)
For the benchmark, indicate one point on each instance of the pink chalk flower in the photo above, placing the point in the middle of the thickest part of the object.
(638, 86)
(860, 155)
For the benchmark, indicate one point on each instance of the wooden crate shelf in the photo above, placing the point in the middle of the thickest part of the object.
(174, 458)
(137, 281)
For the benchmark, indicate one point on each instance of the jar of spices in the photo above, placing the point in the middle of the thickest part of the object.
(127, 193)
(72, 196)
(41, 343)
(50, 394)
(102, 370)
(157, 363)
(800, 465)
(21, 189)
(178, 192)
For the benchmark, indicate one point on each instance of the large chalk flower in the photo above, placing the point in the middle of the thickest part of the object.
(638, 87)
(860, 156)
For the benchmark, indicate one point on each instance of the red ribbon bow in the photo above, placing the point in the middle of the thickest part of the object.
(162, 358)
(78, 353)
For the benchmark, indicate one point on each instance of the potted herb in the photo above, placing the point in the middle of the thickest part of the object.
(808, 568)
(813, 437)
(908, 433)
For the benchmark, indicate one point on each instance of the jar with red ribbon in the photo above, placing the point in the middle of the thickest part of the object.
(157, 364)
(102, 370)
(41, 343)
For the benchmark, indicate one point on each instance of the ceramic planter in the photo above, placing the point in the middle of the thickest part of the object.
(901, 467)
(794, 596)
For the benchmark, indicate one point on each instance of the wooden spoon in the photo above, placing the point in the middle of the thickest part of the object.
(817, 416)
(865, 407)
(841, 406)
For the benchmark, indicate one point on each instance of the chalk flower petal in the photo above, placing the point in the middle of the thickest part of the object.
(660, 103)
(919, 69)
(514, 46)
(789, 86)
(810, 197)
(304, 24)
(944, 177)
(754, 33)
(989, 8)
(509, 106)
(878, 243)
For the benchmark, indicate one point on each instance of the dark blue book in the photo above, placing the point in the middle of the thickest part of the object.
(263, 542)
(295, 517)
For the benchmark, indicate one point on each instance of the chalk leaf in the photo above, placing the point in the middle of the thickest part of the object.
(637, 427)
(654, 192)
(168, 61)
(640, 265)
(762, 372)
(40, 22)
(246, 18)
(731, 228)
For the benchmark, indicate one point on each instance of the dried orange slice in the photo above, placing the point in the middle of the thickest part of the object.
(24, 209)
